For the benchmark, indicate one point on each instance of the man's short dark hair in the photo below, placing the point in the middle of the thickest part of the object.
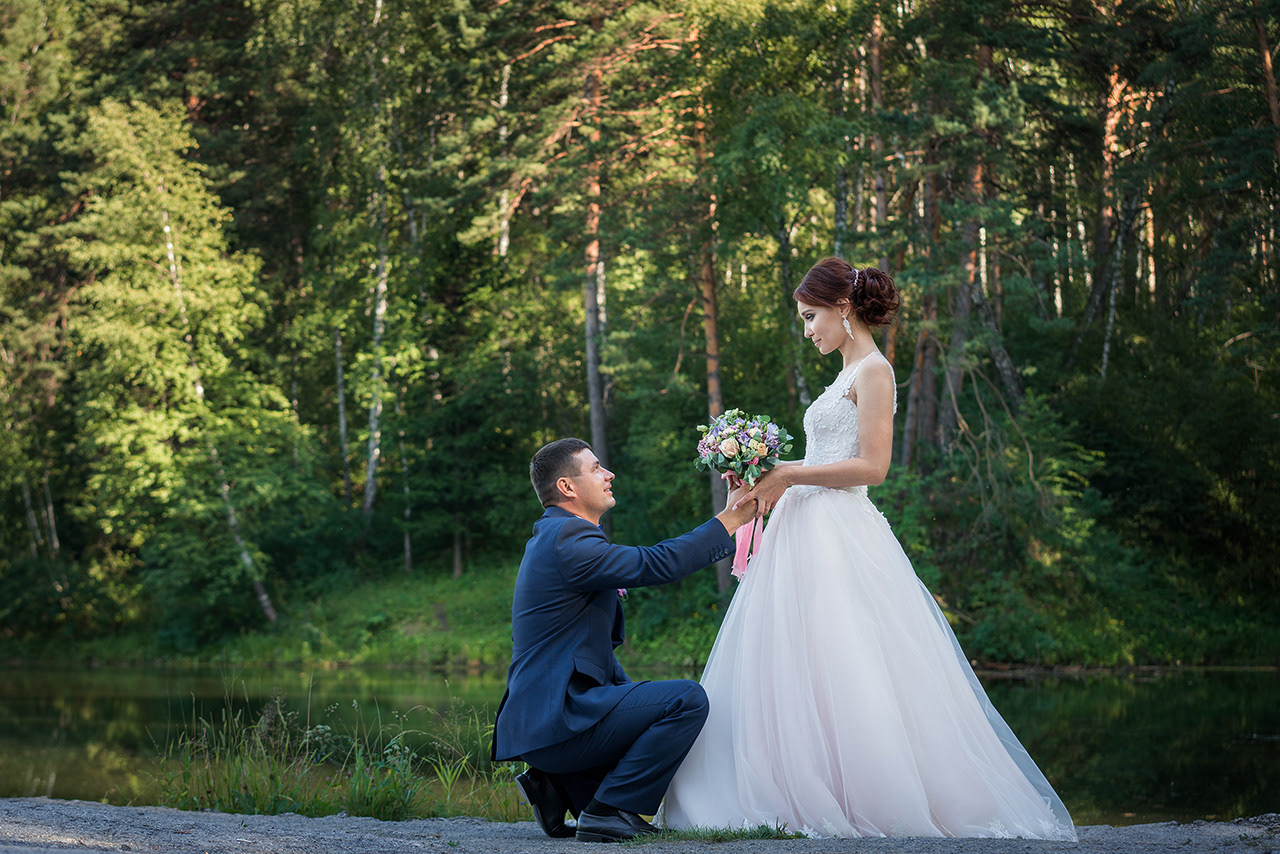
(553, 461)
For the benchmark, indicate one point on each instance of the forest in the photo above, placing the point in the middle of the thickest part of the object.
(290, 292)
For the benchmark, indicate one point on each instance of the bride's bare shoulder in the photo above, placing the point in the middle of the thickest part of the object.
(875, 377)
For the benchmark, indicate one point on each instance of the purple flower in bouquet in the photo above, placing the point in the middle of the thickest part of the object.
(747, 446)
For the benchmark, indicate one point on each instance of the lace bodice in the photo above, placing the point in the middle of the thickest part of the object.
(831, 424)
(831, 421)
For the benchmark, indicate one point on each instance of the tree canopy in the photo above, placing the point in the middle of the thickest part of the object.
(291, 291)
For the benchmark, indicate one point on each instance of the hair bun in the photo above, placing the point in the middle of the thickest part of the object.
(870, 291)
(875, 297)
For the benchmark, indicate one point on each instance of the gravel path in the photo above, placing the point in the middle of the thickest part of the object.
(41, 825)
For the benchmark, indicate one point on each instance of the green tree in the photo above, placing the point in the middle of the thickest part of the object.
(169, 411)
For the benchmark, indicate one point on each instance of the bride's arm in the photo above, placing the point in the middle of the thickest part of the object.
(874, 386)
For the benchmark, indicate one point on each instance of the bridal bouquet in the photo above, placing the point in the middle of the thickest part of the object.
(747, 447)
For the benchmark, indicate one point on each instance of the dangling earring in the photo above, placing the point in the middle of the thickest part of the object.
(853, 292)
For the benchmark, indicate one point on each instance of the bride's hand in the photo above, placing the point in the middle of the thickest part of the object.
(767, 491)
(733, 479)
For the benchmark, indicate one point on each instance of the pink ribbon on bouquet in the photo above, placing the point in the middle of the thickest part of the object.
(748, 537)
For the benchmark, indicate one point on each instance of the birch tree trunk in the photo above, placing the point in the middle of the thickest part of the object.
(504, 200)
(54, 545)
(1055, 248)
(880, 185)
(1110, 110)
(1078, 237)
(33, 527)
(858, 144)
(842, 212)
(379, 327)
(928, 408)
(404, 470)
(1108, 278)
(233, 521)
(381, 272)
(793, 319)
(877, 141)
(224, 483)
(343, 445)
(1115, 274)
(842, 173)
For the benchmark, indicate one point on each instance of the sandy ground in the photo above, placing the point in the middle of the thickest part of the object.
(44, 825)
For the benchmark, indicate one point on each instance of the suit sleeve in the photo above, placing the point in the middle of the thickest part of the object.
(588, 561)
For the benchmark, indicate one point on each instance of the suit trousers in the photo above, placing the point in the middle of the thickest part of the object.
(627, 760)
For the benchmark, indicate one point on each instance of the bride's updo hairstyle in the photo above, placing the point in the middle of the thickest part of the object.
(870, 291)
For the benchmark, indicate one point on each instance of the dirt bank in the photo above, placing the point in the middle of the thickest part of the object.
(44, 825)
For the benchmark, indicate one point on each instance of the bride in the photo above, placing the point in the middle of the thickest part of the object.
(841, 703)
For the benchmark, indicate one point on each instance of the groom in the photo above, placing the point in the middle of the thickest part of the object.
(598, 745)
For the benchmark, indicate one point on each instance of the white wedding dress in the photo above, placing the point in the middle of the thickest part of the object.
(841, 703)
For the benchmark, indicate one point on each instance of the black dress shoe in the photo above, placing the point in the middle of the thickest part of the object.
(612, 828)
(548, 804)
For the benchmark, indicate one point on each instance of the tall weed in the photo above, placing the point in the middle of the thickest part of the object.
(274, 761)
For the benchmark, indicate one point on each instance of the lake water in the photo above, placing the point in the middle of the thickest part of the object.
(1119, 749)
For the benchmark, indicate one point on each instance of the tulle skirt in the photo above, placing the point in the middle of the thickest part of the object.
(841, 703)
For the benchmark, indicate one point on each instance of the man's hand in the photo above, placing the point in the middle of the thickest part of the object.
(768, 489)
(731, 518)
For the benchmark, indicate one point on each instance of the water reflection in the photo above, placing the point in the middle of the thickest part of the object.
(94, 734)
(1119, 749)
(1155, 746)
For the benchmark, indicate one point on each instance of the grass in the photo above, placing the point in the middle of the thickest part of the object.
(429, 619)
(274, 762)
(717, 834)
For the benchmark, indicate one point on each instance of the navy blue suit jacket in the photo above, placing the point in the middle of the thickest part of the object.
(566, 621)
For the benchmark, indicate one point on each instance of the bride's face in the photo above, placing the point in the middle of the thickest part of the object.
(824, 325)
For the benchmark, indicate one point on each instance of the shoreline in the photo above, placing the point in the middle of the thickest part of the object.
(41, 825)
(993, 669)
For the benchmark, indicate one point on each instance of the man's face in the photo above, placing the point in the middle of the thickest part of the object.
(593, 484)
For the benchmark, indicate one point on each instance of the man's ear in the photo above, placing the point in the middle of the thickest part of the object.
(567, 488)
